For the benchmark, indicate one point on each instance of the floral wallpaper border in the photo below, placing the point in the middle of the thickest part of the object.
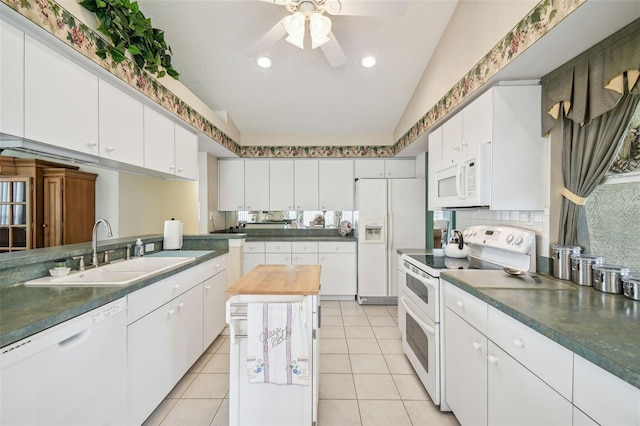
(59, 22)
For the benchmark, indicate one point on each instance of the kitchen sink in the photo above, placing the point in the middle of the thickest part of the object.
(114, 274)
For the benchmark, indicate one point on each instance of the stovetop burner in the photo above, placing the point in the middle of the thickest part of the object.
(440, 261)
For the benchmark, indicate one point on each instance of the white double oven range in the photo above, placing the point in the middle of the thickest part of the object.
(420, 298)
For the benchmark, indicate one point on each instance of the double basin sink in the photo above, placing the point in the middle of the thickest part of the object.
(114, 274)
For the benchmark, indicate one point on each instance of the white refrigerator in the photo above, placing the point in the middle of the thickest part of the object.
(391, 214)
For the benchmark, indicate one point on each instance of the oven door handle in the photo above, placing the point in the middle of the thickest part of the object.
(418, 277)
(421, 323)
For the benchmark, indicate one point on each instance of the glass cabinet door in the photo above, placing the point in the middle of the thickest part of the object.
(15, 214)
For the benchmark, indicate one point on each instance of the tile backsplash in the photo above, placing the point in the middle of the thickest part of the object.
(536, 220)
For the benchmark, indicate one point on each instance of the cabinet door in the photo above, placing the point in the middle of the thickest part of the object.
(465, 370)
(149, 363)
(306, 184)
(434, 164)
(121, 126)
(278, 258)
(231, 185)
(518, 397)
(338, 274)
(336, 185)
(399, 168)
(53, 211)
(214, 308)
(256, 184)
(477, 124)
(281, 185)
(186, 153)
(452, 140)
(369, 169)
(304, 258)
(61, 100)
(11, 80)
(158, 142)
(187, 331)
(251, 260)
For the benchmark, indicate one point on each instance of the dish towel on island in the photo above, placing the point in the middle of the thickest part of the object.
(277, 346)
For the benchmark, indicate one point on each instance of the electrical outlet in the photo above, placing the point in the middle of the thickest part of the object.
(210, 215)
(149, 247)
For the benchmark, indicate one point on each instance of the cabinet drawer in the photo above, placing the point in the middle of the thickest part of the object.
(467, 306)
(278, 258)
(544, 357)
(278, 246)
(218, 264)
(254, 247)
(336, 247)
(304, 247)
(604, 397)
(145, 300)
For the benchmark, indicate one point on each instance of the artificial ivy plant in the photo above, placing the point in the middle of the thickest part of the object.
(129, 30)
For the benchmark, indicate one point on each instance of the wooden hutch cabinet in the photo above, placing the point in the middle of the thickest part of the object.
(69, 206)
(43, 204)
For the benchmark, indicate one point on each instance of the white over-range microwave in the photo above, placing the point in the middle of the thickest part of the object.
(466, 183)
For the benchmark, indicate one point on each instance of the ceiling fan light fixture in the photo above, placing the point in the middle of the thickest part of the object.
(264, 62)
(294, 25)
(368, 61)
(319, 27)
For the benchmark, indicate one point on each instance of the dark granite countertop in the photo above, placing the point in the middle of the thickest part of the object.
(26, 310)
(602, 328)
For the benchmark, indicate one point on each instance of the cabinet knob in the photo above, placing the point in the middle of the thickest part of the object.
(180, 169)
(519, 343)
(92, 143)
(208, 287)
(180, 305)
(217, 265)
(171, 311)
(110, 148)
(492, 359)
(476, 345)
(459, 303)
(172, 167)
(239, 207)
(176, 286)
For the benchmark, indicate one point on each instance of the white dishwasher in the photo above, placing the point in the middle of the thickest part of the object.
(71, 374)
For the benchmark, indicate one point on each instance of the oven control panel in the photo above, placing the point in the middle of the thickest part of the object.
(501, 237)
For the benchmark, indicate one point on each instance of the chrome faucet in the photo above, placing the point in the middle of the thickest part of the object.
(94, 257)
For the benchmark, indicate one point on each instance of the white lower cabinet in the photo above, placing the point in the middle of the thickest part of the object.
(516, 396)
(338, 276)
(465, 370)
(171, 323)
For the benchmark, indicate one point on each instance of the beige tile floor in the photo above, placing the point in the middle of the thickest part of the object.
(365, 378)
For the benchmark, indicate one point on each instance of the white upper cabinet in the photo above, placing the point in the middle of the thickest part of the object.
(306, 184)
(121, 126)
(399, 168)
(369, 169)
(231, 185)
(452, 142)
(158, 142)
(186, 153)
(379, 169)
(281, 185)
(477, 122)
(61, 100)
(336, 185)
(11, 80)
(256, 185)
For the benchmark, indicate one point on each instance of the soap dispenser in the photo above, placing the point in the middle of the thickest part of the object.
(139, 250)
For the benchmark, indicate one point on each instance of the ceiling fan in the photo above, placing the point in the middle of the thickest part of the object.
(311, 14)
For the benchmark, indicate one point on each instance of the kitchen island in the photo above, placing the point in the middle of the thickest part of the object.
(261, 393)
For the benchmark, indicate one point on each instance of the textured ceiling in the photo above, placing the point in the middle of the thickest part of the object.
(301, 93)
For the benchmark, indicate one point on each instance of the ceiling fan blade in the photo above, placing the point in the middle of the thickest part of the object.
(269, 39)
(334, 53)
(366, 7)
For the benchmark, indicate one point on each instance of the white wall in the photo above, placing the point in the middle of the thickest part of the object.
(210, 218)
(475, 28)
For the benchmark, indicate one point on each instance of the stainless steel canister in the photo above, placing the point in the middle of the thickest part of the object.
(608, 278)
(581, 271)
(631, 287)
(561, 256)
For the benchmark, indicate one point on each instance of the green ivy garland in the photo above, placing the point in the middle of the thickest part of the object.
(129, 30)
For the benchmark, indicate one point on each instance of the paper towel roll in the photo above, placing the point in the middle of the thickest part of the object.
(172, 235)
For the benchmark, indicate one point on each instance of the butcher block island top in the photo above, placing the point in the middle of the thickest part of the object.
(279, 279)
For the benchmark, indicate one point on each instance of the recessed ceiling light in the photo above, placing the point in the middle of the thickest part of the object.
(368, 61)
(264, 62)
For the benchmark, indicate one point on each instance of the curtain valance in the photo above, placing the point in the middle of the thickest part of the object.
(593, 82)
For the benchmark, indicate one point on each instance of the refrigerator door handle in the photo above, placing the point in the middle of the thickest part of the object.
(389, 239)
